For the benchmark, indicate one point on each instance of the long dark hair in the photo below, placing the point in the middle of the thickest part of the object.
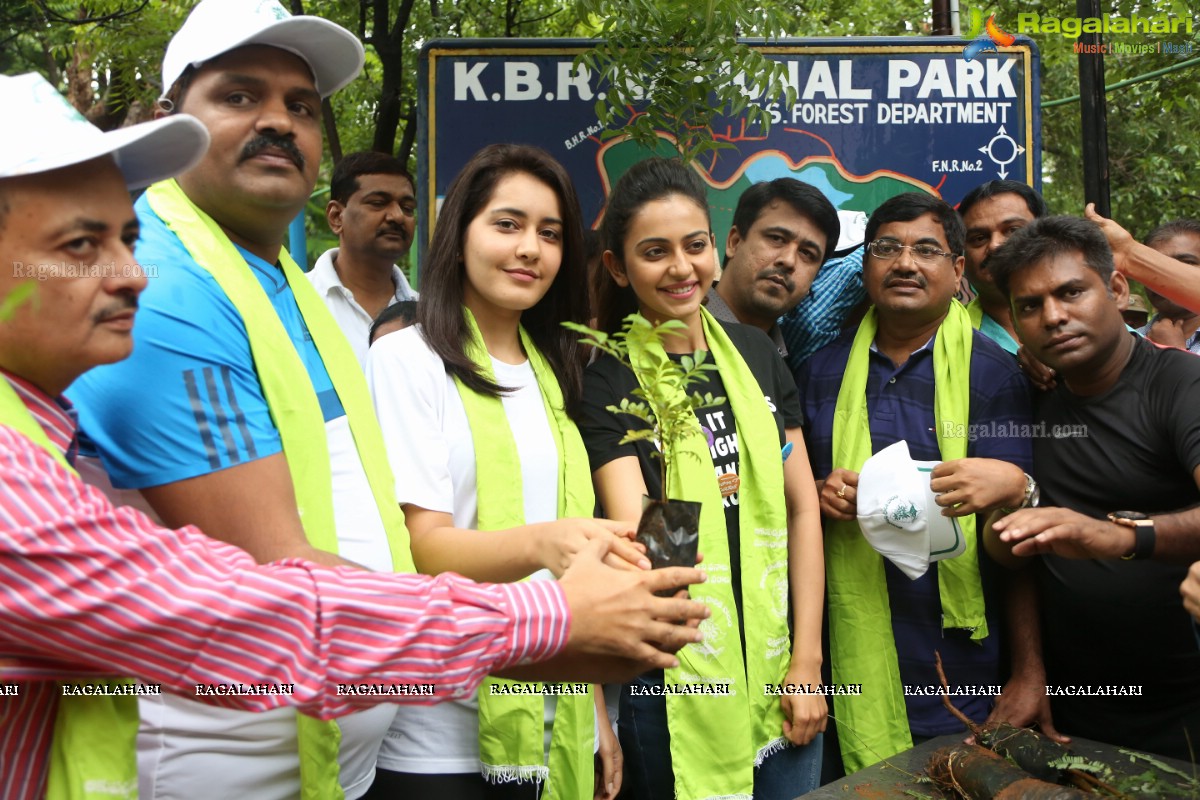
(645, 182)
(444, 275)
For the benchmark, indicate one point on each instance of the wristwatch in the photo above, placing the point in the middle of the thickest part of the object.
(1033, 494)
(1143, 529)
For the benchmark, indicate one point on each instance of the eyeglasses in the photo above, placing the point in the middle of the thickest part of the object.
(887, 249)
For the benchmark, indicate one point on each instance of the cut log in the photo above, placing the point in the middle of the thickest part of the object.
(976, 773)
(1030, 750)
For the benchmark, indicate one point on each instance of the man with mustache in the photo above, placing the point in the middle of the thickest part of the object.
(783, 231)
(913, 370)
(95, 593)
(371, 209)
(1120, 516)
(991, 213)
(253, 420)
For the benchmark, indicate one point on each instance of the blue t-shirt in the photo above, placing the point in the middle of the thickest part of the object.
(188, 402)
(900, 406)
(996, 332)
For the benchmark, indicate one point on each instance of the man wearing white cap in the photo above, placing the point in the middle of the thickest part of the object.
(93, 591)
(258, 427)
(913, 371)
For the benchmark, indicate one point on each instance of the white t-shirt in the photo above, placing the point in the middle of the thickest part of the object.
(187, 749)
(433, 458)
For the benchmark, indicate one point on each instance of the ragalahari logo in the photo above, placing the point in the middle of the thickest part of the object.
(985, 36)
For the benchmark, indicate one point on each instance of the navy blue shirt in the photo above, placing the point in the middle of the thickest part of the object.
(900, 406)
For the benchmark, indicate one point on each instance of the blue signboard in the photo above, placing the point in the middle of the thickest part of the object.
(871, 118)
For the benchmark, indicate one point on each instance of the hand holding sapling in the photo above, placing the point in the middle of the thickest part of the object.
(664, 404)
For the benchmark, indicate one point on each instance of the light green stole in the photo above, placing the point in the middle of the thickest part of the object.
(874, 725)
(297, 415)
(718, 740)
(93, 755)
(975, 313)
(511, 726)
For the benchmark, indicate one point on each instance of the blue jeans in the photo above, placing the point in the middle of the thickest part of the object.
(790, 772)
(646, 743)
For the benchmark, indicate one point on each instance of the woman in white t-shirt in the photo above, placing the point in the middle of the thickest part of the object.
(475, 404)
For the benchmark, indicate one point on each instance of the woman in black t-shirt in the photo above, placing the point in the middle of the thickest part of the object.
(659, 253)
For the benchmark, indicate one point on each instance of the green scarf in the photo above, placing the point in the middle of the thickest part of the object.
(297, 415)
(975, 313)
(718, 740)
(511, 740)
(93, 755)
(874, 726)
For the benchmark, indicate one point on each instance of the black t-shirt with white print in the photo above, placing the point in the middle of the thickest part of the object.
(606, 381)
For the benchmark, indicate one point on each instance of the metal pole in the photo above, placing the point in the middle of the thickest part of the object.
(1158, 73)
(1093, 114)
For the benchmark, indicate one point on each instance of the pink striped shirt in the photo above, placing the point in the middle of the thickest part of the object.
(87, 588)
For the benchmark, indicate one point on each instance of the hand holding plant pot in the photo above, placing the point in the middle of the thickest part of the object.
(558, 543)
(668, 528)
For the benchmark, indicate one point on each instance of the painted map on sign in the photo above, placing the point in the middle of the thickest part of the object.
(846, 192)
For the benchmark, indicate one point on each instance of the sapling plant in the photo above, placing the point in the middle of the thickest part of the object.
(669, 528)
(663, 401)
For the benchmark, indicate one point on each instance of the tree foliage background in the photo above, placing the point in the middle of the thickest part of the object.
(106, 55)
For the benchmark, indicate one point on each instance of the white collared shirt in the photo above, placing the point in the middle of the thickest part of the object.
(351, 318)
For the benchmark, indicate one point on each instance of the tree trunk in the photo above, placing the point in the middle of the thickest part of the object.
(410, 135)
(389, 45)
(387, 113)
(327, 118)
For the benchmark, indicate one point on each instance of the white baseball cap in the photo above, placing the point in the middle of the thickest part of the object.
(333, 53)
(898, 514)
(45, 132)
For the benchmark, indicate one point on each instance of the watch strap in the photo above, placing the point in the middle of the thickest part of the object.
(1143, 542)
